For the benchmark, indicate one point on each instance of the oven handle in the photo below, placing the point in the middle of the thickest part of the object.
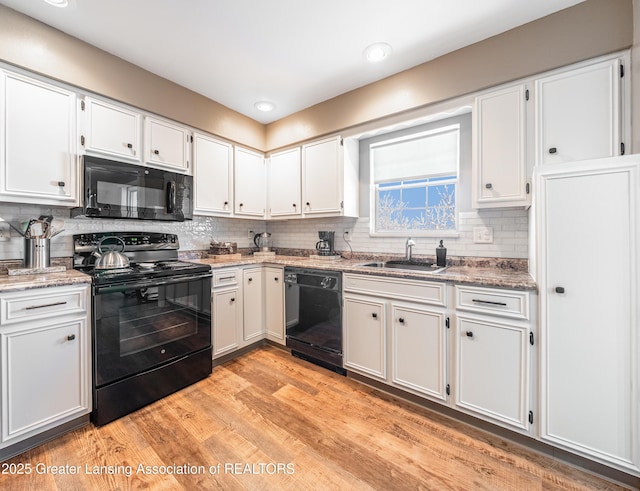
(148, 283)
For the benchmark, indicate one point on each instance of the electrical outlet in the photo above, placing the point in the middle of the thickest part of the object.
(483, 235)
(346, 235)
(250, 234)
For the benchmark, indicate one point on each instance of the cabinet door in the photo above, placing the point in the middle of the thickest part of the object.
(250, 183)
(45, 377)
(322, 177)
(166, 144)
(227, 321)
(419, 350)
(274, 304)
(38, 154)
(284, 183)
(213, 176)
(492, 362)
(365, 335)
(499, 164)
(111, 130)
(578, 113)
(589, 325)
(253, 304)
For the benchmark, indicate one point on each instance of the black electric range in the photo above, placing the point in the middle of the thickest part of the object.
(150, 323)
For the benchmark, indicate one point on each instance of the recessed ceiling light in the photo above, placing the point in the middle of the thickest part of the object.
(265, 106)
(377, 52)
(58, 3)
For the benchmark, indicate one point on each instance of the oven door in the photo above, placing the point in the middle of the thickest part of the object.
(141, 325)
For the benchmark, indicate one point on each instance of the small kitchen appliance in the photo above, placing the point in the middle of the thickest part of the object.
(262, 241)
(326, 243)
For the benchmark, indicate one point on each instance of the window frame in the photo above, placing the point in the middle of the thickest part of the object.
(374, 187)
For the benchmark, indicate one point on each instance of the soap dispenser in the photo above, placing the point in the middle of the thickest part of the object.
(441, 255)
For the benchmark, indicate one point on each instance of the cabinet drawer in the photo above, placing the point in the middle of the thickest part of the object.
(41, 304)
(505, 303)
(226, 277)
(430, 292)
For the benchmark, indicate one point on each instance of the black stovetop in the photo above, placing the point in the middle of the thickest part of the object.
(151, 255)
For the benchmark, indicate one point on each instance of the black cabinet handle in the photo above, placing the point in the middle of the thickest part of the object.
(469, 334)
(129, 145)
(559, 289)
(476, 300)
(61, 184)
(71, 337)
(233, 299)
(488, 185)
(54, 304)
(294, 205)
(374, 315)
(308, 204)
(276, 279)
(156, 152)
(401, 320)
(553, 150)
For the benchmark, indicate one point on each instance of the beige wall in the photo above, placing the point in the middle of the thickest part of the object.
(587, 30)
(32, 45)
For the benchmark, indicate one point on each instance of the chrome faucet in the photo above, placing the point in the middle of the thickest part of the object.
(408, 249)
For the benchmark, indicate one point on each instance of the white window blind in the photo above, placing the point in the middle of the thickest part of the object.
(431, 153)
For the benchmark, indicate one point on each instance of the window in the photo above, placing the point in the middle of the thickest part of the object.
(415, 182)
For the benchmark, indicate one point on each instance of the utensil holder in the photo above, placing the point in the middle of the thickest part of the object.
(37, 253)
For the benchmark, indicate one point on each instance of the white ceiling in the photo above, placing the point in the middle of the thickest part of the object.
(295, 53)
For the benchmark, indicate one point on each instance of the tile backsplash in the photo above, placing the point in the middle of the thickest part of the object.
(510, 233)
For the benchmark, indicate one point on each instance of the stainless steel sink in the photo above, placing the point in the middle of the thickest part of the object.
(403, 264)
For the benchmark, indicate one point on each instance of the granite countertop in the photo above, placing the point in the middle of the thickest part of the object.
(461, 274)
(42, 280)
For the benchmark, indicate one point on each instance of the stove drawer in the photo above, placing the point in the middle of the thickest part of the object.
(42, 303)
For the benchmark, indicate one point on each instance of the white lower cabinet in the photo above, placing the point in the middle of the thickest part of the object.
(365, 341)
(253, 303)
(401, 324)
(419, 349)
(494, 338)
(492, 370)
(248, 306)
(274, 304)
(45, 360)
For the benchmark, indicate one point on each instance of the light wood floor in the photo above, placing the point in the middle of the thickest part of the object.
(291, 425)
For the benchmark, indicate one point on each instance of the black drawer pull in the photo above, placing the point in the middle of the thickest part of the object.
(276, 279)
(71, 337)
(488, 302)
(401, 320)
(559, 289)
(156, 152)
(233, 299)
(374, 315)
(469, 334)
(250, 280)
(553, 150)
(32, 307)
(488, 185)
(129, 145)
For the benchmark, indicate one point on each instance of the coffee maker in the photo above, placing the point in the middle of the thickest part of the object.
(326, 243)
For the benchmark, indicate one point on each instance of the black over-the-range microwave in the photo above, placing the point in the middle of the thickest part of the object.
(120, 190)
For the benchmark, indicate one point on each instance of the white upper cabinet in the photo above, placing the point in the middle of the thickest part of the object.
(212, 176)
(499, 142)
(166, 144)
(38, 153)
(578, 113)
(111, 130)
(250, 183)
(284, 183)
(330, 178)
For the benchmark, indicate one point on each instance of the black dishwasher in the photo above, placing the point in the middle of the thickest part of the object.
(313, 301)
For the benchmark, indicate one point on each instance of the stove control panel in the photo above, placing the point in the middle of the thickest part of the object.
(134, 241)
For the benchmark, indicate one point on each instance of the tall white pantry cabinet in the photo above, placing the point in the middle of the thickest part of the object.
(587, 216)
